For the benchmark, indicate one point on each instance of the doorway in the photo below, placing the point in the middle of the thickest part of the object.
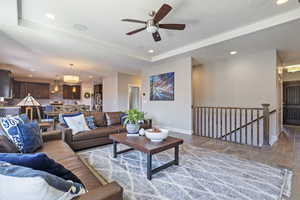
(291, 102)
(134, 97)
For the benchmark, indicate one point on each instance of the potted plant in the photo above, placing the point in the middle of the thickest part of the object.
(132, 120)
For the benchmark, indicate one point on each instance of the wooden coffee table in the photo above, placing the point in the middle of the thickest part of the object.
(144, 145)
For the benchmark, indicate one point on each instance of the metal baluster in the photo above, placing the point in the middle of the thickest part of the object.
(221, 127)
(226, 111)
(235, 126)
(241, 130)
(252, 127)
(258, 134)
(230, 125)
(205, 122)
(213, 122)
(246, 127)
(208, 122)
(217, 122)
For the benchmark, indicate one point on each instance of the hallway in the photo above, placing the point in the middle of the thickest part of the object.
(285, 153)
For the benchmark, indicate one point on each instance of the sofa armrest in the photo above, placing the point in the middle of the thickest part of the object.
(111, 191)
(66, 132)
(52, 135)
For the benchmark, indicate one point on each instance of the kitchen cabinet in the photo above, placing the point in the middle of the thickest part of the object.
(72, 92)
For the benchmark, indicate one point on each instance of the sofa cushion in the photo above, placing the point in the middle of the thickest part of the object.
(113, 118)
(38, 184)
(7, 146)
(96, 133)
(99, 118)
(57, 150)
(74, 164)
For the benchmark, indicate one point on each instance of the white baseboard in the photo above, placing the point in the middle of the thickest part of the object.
(178, 130)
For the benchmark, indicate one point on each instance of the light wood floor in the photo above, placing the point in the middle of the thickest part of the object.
(285, 153)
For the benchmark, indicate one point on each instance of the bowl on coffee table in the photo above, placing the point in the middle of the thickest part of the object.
(156, 135)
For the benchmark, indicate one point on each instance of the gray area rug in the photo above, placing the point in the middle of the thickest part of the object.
(202, 174)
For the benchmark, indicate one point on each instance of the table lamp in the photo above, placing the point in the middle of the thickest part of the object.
(29, 102)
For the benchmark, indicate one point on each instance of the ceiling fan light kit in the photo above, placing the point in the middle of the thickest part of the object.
(152, 25)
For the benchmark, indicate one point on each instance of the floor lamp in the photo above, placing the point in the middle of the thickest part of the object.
(29, 103)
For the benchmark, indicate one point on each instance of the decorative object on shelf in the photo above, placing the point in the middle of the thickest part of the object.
(29, 103)
(162, 87)
(156, 134)
(142, 132)
(132, 121)
(72, 79)
(87, 95)
(2, 101)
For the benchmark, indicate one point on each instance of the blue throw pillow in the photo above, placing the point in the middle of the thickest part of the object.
(40, 161)
(24, 118)
(30, 136)
(18, 182)
(90, 122)
(10, 129)
(123, 116)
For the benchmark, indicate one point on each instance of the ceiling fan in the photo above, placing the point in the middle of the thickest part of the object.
(152, 25)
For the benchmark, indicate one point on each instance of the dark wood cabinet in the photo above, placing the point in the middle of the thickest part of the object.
(72, 92)
(37, 90)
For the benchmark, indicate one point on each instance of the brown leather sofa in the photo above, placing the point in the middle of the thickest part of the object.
(107, 123)
(98, 188)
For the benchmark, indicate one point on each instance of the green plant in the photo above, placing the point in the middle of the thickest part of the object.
(134, 116)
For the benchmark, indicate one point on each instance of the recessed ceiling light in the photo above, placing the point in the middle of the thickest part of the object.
(233, 52)
(30, 75)
(50, 16)
(91, 77)
(80, 27)
(151, 51)
(279, 2)
(33, 70)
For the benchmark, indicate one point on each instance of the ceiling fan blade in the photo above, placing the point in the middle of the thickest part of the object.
(156, 36)
(163, 11)
(136, 31)
(134, 21)
(172, 26)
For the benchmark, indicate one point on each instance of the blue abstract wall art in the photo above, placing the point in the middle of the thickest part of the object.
(162, 87)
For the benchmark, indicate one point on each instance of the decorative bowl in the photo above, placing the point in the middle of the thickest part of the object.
(156, 136)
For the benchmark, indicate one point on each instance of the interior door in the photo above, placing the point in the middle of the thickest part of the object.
(291, 102)
(134, 98)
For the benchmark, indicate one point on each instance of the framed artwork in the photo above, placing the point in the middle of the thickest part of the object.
(162, 87)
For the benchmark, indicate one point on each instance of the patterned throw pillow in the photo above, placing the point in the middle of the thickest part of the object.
(31, 138)
(90, 122)
(76, 122)
(30, 184)
(10, 128)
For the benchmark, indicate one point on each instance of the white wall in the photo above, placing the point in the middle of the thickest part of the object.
(110, 93)
(115, 91)
(124, 80)
(243, 81)
(174, 115)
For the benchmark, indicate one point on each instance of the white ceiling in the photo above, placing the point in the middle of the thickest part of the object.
(213, 28)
